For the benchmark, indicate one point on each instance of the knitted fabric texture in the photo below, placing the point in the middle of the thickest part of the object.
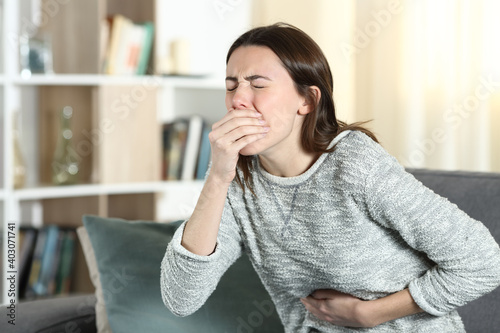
(355, 222)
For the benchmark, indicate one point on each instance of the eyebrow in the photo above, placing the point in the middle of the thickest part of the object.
(248, 78)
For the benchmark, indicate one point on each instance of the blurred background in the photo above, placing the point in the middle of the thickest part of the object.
(427, 73)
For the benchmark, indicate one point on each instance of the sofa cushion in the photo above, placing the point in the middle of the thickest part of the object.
(101, 317)
(128, 255)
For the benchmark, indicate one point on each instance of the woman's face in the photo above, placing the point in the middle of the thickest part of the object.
(256, 80)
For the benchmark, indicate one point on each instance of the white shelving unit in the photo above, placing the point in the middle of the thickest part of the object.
(176, 96)
(99, 79)
(8, 8)
(99, 189)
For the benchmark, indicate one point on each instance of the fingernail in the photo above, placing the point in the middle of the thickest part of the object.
(262, 121)
(266, 129)
(257, 114)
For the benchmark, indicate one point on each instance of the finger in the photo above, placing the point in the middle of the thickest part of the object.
(248, 139)
(234, 130)
(314, 309)
(236, 114)
(242, 131)
(306, 304)
(324, 294)
(232, 145)
(312, 302)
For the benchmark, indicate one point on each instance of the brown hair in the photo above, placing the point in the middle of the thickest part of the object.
(307, 66)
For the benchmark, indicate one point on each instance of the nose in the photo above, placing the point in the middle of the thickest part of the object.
(242, 98)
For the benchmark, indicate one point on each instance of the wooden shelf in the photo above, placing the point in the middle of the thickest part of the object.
(53, 192)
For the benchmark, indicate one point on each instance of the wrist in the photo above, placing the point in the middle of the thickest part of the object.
(366, 312)
(375, 312)
(219, 182)
(222, 174)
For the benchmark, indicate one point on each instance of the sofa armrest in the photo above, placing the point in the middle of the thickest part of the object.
(60, 314)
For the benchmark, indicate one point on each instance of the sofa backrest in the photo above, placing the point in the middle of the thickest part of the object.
(478, 195)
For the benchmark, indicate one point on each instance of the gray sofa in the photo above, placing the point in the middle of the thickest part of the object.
(478, 194)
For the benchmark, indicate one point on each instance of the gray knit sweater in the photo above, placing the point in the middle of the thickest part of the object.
(355, 222)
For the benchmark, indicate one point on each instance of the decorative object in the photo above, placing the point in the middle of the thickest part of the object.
(178, 62)
(19, 167)
(36, 54)
(180, 53)
(65, 165)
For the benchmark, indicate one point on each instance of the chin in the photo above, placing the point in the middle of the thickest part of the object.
(248, 151)
(252, 149)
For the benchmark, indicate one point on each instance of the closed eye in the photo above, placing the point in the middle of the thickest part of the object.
(254, 86)
(230, 80)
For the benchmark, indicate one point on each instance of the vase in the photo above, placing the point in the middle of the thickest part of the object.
(65, 165)
(19, 167)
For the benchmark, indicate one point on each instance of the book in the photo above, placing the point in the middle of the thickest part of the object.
(50, 270)
(128, 46)
(64, 273)
(204, 155)
(175, 150)
(28, 236)
(48, 261)
(104, 34)
(192, 148)
(36, 263)
(142, 66)
(52, 273)
(118, 25)
(166, 133)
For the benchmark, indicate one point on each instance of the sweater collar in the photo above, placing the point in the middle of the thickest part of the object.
(296, 180)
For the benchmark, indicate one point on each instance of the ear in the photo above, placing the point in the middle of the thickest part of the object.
(310, 101)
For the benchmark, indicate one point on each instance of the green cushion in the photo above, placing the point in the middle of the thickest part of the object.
(129, 254)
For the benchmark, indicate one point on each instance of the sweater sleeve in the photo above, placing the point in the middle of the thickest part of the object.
(188, 279)
(466, 255)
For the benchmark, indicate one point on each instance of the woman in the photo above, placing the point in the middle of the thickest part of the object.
(341, 236)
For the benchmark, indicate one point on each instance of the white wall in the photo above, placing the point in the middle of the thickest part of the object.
(222, 20)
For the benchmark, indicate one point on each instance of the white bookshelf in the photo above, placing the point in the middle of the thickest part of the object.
(176, 97)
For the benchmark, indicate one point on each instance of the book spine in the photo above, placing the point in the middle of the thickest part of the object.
(26, 258)
(36, 263)
(63, 278)
(205, 154)
(177, 146)
(142, 67)
(41, 287)
(192, 147)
